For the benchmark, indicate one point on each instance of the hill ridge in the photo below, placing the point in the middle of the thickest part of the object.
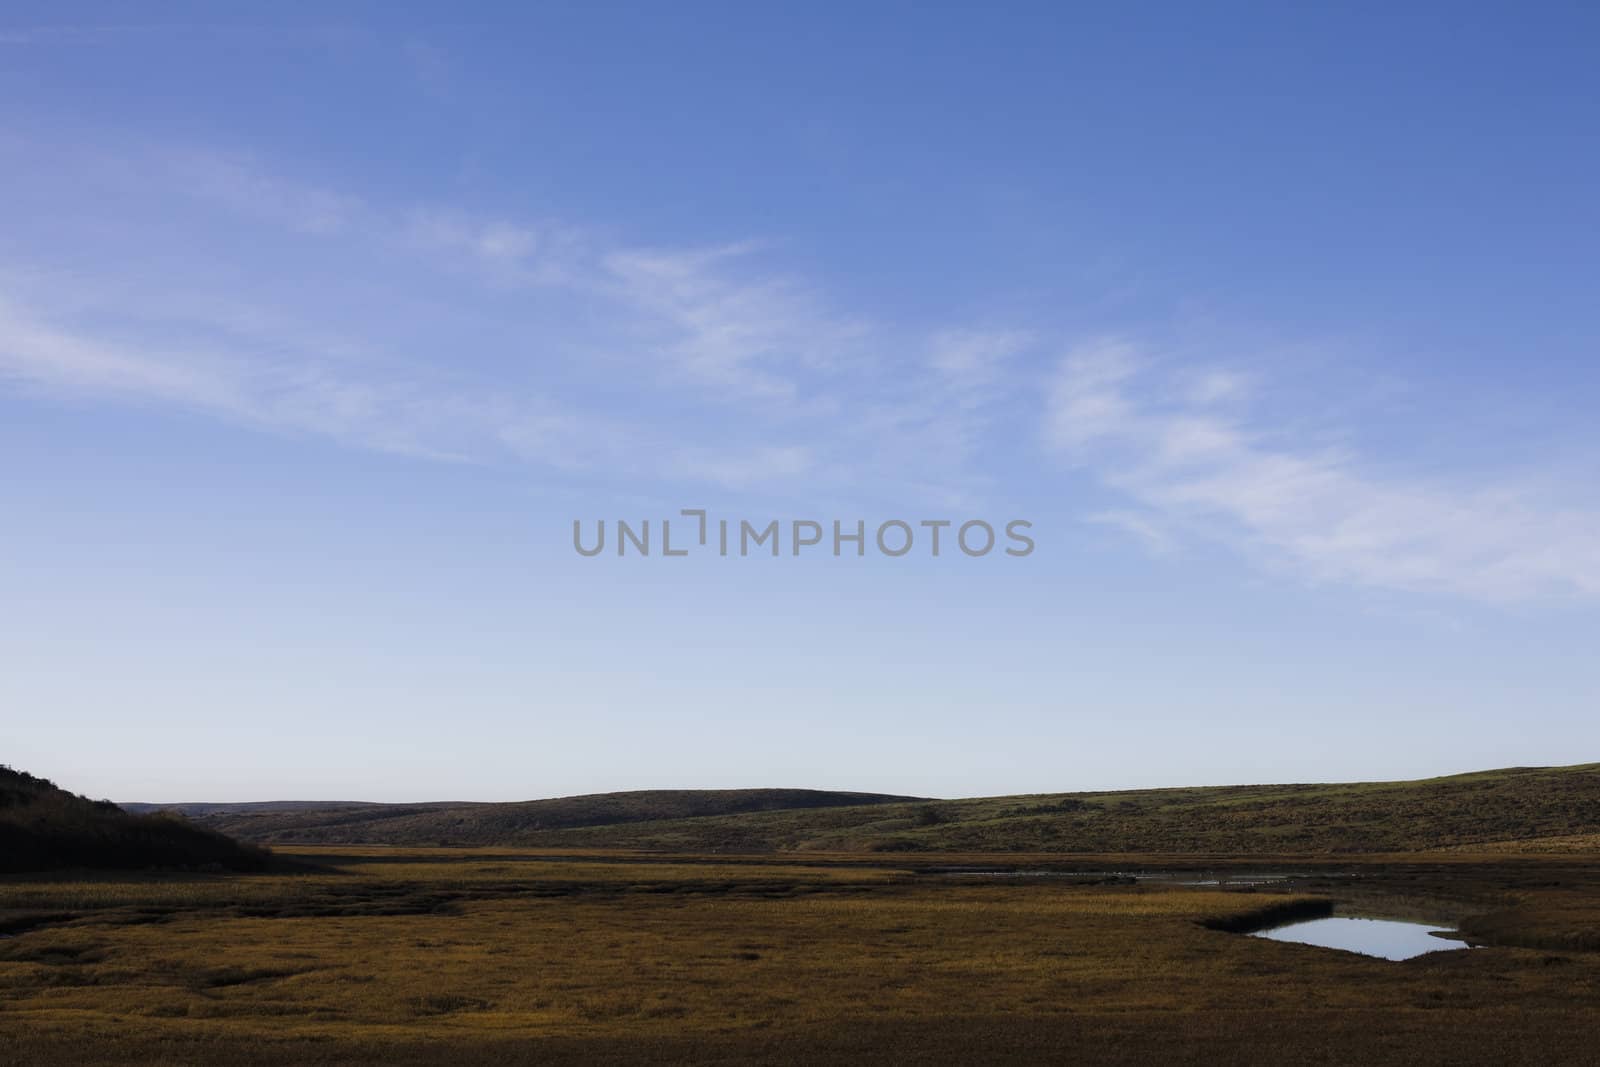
(1450, 811)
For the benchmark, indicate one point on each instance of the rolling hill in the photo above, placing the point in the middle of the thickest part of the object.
(1513, 809)
(467, 823)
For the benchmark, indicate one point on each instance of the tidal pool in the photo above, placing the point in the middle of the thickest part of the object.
(1390, 939)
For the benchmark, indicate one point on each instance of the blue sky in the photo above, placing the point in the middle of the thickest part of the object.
(316, 335)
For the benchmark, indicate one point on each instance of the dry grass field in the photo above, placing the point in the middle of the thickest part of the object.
(380, 955)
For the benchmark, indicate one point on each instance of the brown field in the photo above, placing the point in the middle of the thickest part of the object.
(388, 955)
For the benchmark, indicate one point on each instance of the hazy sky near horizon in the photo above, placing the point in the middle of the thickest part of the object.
(318, 332)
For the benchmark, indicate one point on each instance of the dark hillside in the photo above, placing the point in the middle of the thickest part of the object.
(491, 824)
(44, 827)
(191, 810)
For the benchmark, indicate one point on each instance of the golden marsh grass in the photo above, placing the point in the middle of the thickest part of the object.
(433, 956)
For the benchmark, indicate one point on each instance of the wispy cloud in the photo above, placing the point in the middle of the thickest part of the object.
(1148, 529)
(445, 332)
(972, 360)
(292, 392)
(761, 467)
(238, 184)
(725, 325)
(41, 353)
(1237, 476)
(453, 334)
(509, 253)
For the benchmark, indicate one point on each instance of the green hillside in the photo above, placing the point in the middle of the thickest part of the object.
(1513, 808)
(459, 823)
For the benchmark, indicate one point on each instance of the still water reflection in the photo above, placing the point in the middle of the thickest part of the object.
(1390, 939)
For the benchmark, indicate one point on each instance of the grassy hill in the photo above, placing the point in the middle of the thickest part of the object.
(1512, 809)
(462, 823)
(44, 827)
(192, 810)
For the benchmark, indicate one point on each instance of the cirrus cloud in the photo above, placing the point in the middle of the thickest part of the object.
(1197, 467)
